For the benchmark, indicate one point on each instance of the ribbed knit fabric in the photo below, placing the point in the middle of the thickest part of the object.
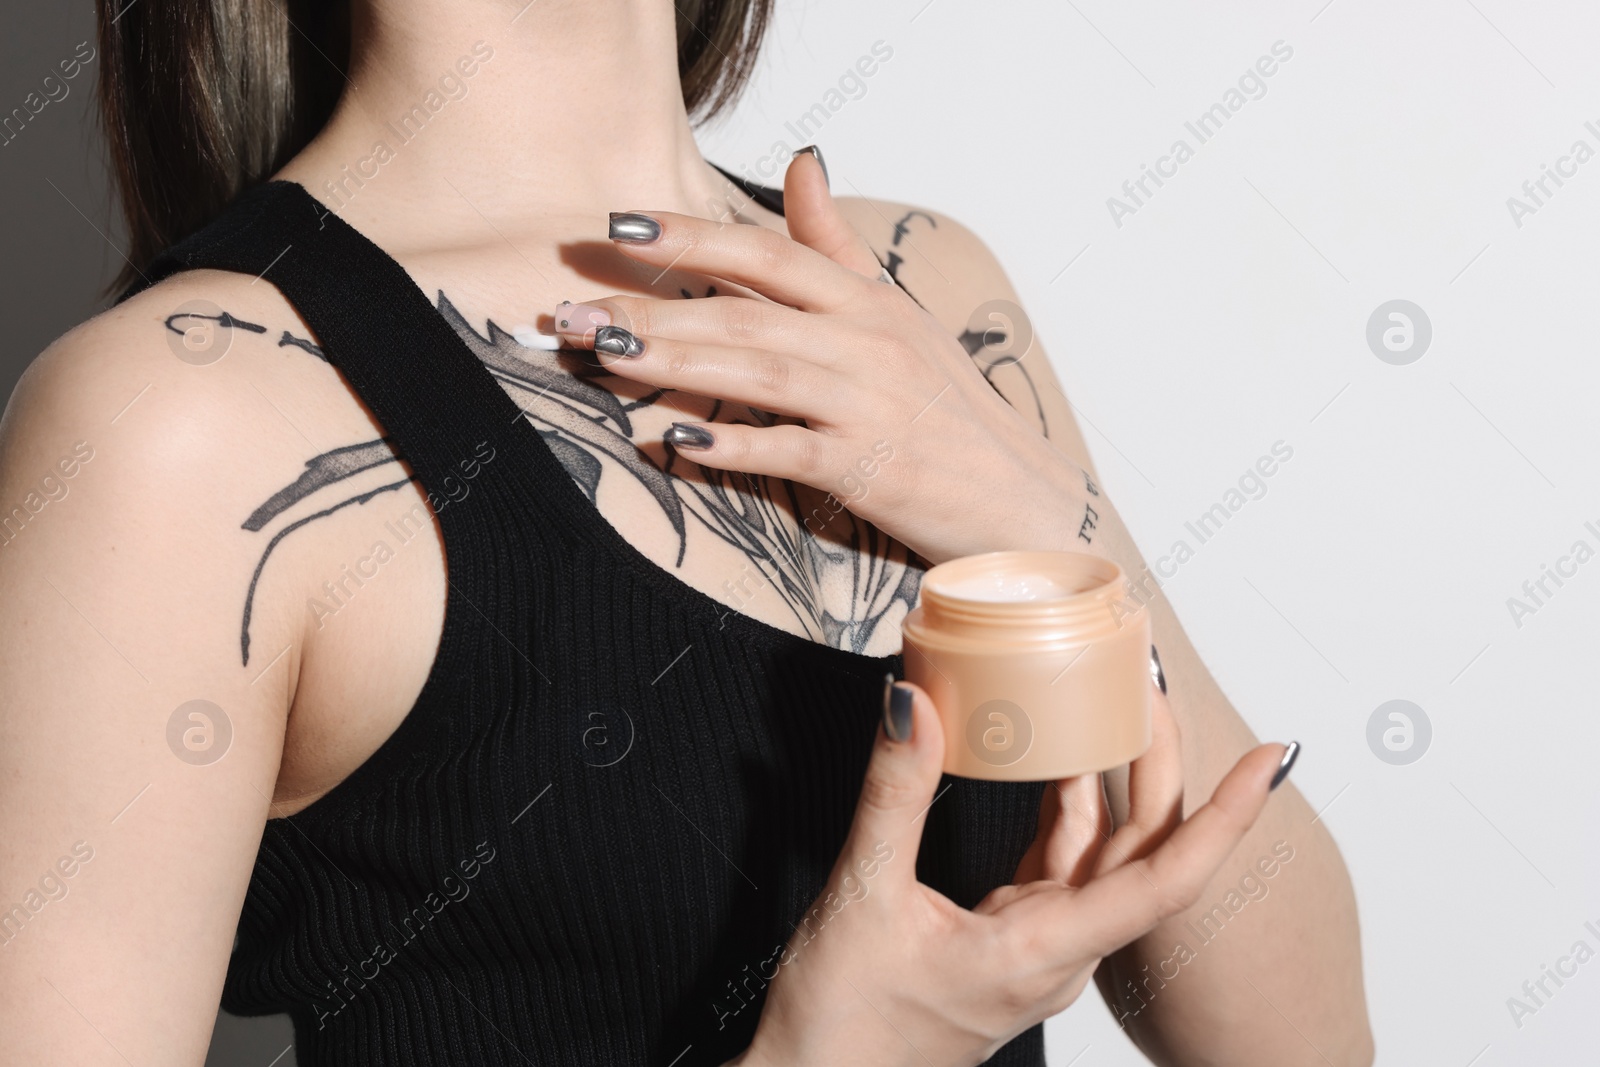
(499, 884)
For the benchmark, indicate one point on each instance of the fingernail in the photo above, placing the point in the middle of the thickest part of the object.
(896, 709)
(580, 318)
(816, 153)
(1156, 674)
(615, 341)
(634, 228)
(1289, 756)
(683, 435)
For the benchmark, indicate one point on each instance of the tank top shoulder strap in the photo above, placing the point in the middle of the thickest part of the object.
(765, 195)
(437, 404)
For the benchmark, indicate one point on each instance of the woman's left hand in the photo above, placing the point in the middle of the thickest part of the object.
(899, 424)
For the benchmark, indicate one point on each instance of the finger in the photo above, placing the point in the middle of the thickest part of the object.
(794, 453)
(899, 786)
(1031, 867)
(1155, 791)
(815, 219)
(764, 261)
(718, 320)
(1118, 907)
(1073, 827)
(1077, 845)
(767, 381)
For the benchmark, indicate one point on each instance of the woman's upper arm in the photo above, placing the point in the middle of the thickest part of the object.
(137, 757)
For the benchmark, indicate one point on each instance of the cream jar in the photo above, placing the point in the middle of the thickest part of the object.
(1038, 664)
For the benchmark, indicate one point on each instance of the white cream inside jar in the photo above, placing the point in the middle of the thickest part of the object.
(1004, 587)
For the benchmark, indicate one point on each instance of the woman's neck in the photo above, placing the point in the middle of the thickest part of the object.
(466, 111)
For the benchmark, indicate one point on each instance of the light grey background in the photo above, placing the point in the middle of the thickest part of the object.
(1229, 312)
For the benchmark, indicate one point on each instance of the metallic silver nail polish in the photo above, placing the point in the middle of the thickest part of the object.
(1156, 674)
(633, 228)
(682, 435)
(816, 153)
(896, 710)
(615, 341)
(1285, 765)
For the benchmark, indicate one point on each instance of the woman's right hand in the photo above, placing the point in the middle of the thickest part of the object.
(886, 971)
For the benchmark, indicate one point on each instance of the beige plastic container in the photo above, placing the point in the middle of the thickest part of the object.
(1037, 662)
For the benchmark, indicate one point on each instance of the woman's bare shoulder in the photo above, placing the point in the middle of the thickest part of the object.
(946, 265)
(145, 437)
(134, 737)
(206, 357)
(196, 332)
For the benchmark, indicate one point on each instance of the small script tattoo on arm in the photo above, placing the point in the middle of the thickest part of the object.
(1090, 517)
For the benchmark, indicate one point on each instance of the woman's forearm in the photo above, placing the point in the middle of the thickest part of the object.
(1266, 969)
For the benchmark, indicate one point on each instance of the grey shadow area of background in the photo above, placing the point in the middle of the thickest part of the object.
(59, 252)
(62, 242)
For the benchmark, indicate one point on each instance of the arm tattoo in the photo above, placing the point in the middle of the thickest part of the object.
(1090, 517)
(974, 341)
(255, 578)
(841, 577)
(224, 320)
(330, 468)
(323, 470)
(902, 228)
(302, 342)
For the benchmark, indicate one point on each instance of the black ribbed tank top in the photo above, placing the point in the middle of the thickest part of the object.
(487, 889)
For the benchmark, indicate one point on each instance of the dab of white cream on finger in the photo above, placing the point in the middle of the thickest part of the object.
(528, 337)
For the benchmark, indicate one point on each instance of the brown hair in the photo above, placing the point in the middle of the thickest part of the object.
(201, 99)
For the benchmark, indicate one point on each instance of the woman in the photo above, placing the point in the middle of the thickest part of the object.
(594, 799)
